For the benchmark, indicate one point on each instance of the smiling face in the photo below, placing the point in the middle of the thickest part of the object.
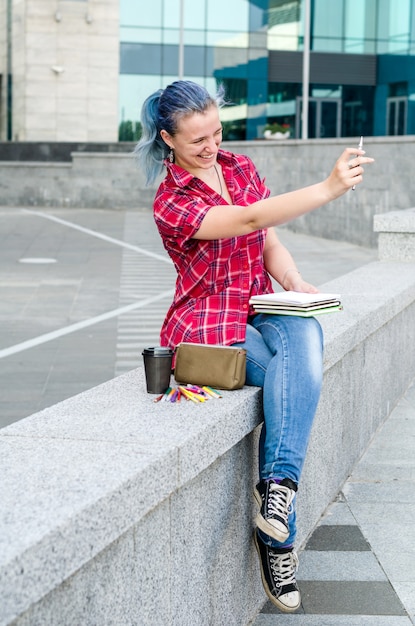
(197, 140)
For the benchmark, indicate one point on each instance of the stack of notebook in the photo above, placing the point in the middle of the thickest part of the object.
(295, 303)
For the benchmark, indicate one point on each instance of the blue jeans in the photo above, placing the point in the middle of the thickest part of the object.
(285, 358)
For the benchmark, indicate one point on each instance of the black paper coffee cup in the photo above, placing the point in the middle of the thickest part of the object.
(157, 366)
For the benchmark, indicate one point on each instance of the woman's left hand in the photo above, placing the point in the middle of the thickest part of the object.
(295, 282)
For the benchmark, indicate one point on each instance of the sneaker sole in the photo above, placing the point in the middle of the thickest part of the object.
(265, 526)
(274, 600)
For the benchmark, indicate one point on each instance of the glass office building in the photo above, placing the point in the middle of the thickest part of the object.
(361, 56)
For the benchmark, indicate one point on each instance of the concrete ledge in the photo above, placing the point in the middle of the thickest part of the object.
(396, 234)
(56, 151)
(113, 508)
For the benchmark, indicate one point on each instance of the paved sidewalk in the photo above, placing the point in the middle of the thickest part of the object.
(82, 292)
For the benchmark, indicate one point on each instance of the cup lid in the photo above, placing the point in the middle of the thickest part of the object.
(157, 351)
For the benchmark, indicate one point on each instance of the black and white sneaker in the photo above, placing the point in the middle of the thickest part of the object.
(275, 502)
(278, 569)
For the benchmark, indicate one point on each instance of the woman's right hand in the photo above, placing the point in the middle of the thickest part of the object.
(347, 172)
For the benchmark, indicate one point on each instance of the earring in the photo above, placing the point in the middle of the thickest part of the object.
(171, 155)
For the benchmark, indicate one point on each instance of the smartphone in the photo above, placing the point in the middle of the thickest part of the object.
(360, 146)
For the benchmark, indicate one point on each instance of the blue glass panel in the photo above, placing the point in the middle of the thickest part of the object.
(137, 13)
(327, 26)
(394, 27)
(133, 90)
(227, 14)
(355, 26)
(171, 36)
(140, 58)
(194, 60)
(258, 15)
(171, 13)
(170, 60)
(227, 39)
(230, 61)
(194, 14)
(135, 34)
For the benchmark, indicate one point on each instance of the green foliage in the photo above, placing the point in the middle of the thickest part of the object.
(129, 131)
(277, 128)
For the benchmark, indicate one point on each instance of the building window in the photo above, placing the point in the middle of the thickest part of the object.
(397, 107)
(284, 24)
(394, 23)
(281, 106)
(357, 118)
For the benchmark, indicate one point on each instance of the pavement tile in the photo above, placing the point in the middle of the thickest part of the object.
(337, 537)
(388, 537)
(345, 598)
(337, 513)
(339, 566)
(406, 592)
(350, 597)
(397, 564)
(296, 619)
(403, 469)
(396, 491)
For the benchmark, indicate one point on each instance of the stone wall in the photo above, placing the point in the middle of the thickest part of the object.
(108, 180)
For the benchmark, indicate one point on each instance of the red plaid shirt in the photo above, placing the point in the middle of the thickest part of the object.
(216, 278)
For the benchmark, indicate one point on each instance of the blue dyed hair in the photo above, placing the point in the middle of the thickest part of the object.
(163, 110)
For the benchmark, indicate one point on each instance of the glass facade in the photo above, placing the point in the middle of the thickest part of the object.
(361, 54)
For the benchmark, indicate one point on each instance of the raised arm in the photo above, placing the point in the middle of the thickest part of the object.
(237, 220)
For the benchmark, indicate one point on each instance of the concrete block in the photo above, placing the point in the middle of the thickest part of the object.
(47, 553)
(396, 235)
(124, 572)
(220, 537)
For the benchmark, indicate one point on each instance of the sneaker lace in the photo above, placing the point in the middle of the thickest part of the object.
(280, 501)
(284, 567)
